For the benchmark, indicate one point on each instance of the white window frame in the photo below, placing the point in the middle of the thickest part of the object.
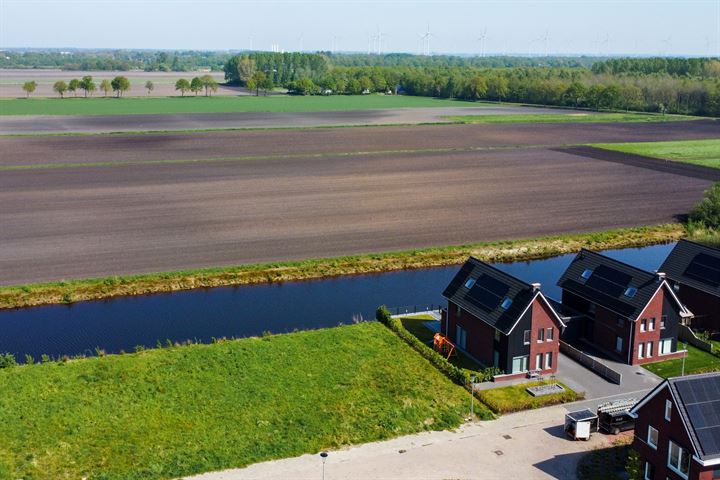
(657, 437)
(651, 324)
(665, 342)
(649, 350)
(647, 474)
(541, 335)
(641, 350)
(668, 410)
(643, 325)
(538, 361)
(680, 455)
(527, 334)
(526, 361)
(550, 336)
(548, 360)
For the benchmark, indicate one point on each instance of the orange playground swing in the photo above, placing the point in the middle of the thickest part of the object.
(443, 345)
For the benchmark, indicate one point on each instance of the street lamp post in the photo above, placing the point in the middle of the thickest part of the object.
(473, 379)
(324, 456)
(682, 374)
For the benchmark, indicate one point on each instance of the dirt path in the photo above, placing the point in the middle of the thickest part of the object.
(528, 444)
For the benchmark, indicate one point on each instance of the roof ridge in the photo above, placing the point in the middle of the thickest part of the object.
(632, 267)
(507, 275)
(698, 244)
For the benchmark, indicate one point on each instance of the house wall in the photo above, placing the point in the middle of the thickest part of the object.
(480, 335)
(653, 413)
(543, 318)
(704, 306)
(605, 329)
(654, 310)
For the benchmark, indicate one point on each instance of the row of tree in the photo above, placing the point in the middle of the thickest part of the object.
(196, 85)
(119, 85)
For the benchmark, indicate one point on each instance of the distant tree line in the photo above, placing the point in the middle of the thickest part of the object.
(689, 67)
(119, 85)
(196, 85)
(312, 74)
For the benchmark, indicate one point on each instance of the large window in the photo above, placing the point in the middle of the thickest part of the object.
(651, 324)
(538, 361)
(526, 337)
(520, 364)
(649, 349)
(460, 336)
(678, 459)
(541, 335)
(652, 438)
(550, 334)
(548, 360)
(641, 350)
(665, 346)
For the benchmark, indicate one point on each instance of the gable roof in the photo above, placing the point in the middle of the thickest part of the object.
(606, 282)
(697, 399)
(493, 296)
(695, 265)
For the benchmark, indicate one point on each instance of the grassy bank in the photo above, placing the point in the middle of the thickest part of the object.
(220, 104)
(697, 152)
(568, 118)
(697, 361)
(77, 290)
(183, 410)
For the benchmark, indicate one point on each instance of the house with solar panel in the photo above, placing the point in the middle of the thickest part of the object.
(501, 321)
(694, 272)
(628, 314)
(677, 429)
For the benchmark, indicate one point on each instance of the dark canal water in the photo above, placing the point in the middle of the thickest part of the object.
(122, 323)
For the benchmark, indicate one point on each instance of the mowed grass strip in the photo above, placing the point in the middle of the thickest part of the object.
(219, 104)
(515, 397)
(697, 361)
(568, 118)
(182, 410)
(697, 152)
(507, 251)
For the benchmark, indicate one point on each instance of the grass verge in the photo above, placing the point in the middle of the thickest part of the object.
(506, 251)
(697, 361)
(568, 118)
(696, 152)
(219, 104)
(183, 410)
(515, 398)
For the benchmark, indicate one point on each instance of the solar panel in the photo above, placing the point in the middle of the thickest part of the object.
(487, 292)
(704, 268)
(701, 397)
(609, 281)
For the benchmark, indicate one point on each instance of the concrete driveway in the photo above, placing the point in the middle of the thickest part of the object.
(523, 445)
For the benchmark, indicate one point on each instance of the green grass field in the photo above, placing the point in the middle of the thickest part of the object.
(218, 104)
(568, 118)
(698, 152)
(514, 398)
(697, 361)
(178, 411)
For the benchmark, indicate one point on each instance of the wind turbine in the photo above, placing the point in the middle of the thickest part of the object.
(300, 40)
(544, 39)
(482, 39)
(602, 45)
(666, 43)
(426, 41)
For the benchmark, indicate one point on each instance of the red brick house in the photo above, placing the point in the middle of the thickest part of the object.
(694, 272)
(630, 314)
(677, 429)
(501, 321)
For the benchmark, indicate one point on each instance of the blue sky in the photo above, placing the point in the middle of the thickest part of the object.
(689, 27)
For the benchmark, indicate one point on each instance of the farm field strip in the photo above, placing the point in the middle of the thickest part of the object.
(575, 117)
(151, 218)
(697, 152)
(44, 150)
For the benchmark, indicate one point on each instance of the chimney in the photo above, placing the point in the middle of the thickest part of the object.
(661, 275)
(536, 287)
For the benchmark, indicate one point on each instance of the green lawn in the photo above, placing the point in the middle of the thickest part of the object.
(182, 410)
(578, 117)
(515, 397)
(415, 325)
(218, 104)
(698, 152)
(697, 361)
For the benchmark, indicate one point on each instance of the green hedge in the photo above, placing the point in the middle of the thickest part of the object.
(454, 373)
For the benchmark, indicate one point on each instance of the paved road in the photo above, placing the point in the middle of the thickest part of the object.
(527, 444)
(95, 221)
(23, 124)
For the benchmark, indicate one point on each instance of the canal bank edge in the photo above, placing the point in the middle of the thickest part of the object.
(65, 292)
